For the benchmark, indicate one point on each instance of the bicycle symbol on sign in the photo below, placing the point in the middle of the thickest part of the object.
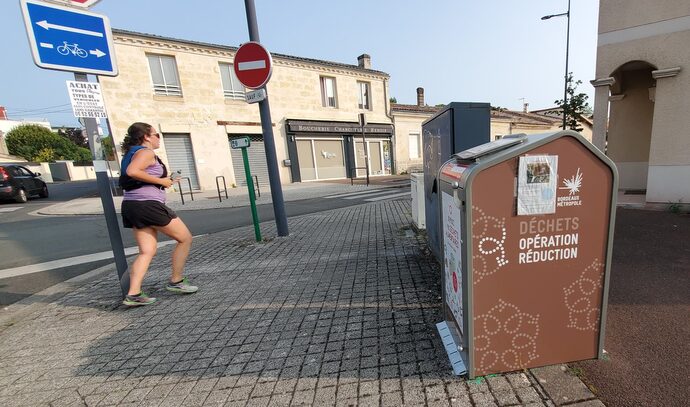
(73, 49)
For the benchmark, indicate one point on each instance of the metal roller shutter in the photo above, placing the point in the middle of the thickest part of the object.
(178, 148)
(257, 160)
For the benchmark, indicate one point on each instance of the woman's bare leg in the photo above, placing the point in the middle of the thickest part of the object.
(177, 230)
(147, 241)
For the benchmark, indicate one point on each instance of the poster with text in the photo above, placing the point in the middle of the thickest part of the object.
(452, 257)
(537, 182)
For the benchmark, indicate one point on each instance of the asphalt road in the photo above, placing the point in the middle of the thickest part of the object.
(648, 323)
(29, 239)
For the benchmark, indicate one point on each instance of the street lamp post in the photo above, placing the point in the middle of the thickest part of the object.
(567, 46)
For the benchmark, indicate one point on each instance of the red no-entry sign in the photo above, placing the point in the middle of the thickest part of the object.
(253, 65)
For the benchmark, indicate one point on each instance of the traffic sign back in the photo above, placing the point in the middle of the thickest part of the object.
(253, 65)
(68, 39)
(76, 3)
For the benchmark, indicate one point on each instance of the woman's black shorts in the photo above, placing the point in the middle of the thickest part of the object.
(140, 214)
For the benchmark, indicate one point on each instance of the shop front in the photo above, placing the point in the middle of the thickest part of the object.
(321, 150)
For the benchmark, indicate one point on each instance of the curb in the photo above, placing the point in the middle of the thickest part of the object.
(11, 314)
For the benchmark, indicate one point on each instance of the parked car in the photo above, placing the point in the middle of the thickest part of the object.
(18, 183)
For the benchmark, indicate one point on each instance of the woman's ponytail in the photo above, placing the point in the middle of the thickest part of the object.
(135, 135)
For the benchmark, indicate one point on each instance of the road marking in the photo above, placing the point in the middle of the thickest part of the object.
(379, 192)
(10, 209)
(72, 261)
(250, 65)
(355, 193)
(380, 198)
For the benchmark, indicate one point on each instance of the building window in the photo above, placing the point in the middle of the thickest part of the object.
(164, 75)
(328, 94)
(415, 145)
(232, 88)
(364, 95)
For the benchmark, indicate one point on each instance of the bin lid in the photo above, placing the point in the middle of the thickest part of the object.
(490, 147)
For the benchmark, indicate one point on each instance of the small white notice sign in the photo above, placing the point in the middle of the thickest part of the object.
(87, 99)
(537, 181)
(256, 96)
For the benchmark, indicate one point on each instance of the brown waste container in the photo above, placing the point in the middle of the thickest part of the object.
(527, 231)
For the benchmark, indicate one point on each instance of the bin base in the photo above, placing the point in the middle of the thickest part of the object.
(451, 349)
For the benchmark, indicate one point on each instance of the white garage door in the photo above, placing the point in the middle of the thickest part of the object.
(257, 160)
(178, 147)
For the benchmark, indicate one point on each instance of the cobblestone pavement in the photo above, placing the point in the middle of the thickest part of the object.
(341, 312)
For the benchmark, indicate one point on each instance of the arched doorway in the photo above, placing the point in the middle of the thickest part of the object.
(631, 113)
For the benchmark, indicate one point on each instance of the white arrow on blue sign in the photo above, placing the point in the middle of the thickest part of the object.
(68, 39)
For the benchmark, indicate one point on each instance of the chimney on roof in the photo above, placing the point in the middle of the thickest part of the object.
(525, 107)
(3, 113)
(364, 61)
(420, 96)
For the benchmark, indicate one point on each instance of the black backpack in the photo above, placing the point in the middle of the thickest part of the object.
(128, 183)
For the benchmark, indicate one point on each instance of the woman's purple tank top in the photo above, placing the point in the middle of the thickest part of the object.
(148, 192)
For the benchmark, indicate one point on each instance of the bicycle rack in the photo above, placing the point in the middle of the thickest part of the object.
(189, 183)
(225, 188)
(256, 183)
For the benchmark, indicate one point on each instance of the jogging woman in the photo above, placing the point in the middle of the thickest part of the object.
(144, 178)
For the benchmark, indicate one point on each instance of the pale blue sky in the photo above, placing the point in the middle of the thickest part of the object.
(495, 51)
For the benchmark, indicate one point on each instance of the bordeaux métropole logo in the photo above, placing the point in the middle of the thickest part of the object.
(573, 186)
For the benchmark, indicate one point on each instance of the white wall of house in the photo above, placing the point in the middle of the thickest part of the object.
(655, 34)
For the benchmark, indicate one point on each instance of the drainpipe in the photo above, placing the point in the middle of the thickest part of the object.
(388, 114)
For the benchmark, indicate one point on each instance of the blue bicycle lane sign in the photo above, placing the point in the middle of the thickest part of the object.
(69, 39)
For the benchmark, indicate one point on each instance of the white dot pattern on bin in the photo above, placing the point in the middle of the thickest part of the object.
(488, 244)
(506, 319)
(582, 296)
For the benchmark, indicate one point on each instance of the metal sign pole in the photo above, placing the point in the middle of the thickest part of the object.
(366, 154)
(362, 123)
(103, 183)
(269, 142)
(252, 197)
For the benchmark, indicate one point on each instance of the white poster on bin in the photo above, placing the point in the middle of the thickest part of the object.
(452, 257)
(537, 182)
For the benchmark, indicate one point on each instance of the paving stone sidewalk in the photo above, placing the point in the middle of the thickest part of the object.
(341, 312)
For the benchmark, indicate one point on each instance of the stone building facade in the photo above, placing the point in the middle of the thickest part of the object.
(642, 96)
(188, 92)
(408, 120)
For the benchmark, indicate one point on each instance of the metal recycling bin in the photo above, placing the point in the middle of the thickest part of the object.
(456, 127)
(527, 233)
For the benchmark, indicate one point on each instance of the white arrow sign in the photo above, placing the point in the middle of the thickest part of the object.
(97, 52)
(45, 24)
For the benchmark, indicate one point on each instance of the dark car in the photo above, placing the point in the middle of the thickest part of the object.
(18, 183)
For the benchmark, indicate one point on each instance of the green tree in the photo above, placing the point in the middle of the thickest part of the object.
(108, 148)
(393, 100)
(576, 105)
(75, 135)
(44, 155)
(37, 143)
